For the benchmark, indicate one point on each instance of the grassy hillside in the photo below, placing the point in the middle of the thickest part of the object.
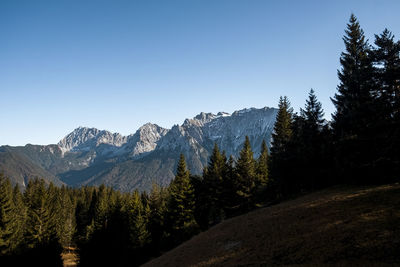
(341, 226)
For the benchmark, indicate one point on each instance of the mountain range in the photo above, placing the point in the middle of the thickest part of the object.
(88, 156)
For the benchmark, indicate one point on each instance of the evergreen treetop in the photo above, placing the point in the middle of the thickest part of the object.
(283, 126)
(353, 101)
(313, 113)
(262, 165)
(246, 176)
(181, 201)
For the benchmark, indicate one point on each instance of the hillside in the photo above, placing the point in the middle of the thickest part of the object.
(340, 226)
(21, 169)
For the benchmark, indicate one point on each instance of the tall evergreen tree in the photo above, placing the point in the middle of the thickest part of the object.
(280, 149)
(262, 173)
(310, 145)
(201, 198)
(387, 63)
(386, 145)
(353, 101)
(229, 199)
(19, 219)
(282, 128)
(181, 203)
(65, 217)
(156, 226)
(83, 212)
(262, 166)
(213, 185)
(6, 216)
(41, 242)
(356, 109)
(40, 227)
(137, 221)
(101, 208)
(313, 114)
(246, 177)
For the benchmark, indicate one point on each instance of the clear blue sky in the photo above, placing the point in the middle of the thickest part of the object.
(116, 65)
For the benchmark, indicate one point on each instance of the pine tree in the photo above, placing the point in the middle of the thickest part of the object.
(84, 212)
(19, 220)
(280, 172)
(282, 128)
(309, 142)
(65, 217)
(356, 109)
(181, 204)
(156, 226)
(262, 166)
(113, 236)
(41, 242)
(39, 228)
(246, 177)
(387, 63)
(6, 216)
(138, 221)
(201, 198)
(229, 199)
(213, 183)
(313, 114)
(354, 101)
(54, 207)
(101, 208)
(386, 144)
(262, 173)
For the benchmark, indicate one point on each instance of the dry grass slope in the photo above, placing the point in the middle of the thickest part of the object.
(334, 227)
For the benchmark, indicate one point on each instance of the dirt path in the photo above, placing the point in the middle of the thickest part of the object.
(70, 257)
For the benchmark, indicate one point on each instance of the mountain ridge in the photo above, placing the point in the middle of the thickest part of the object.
(89, 156)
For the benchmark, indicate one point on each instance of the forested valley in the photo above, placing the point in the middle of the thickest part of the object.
(110, 228)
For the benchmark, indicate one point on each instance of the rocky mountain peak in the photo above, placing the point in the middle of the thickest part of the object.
(204, 117)
(83, 138)
(132, 162)
(223, 114)
(145, 139)
(199, 120)
(150, 129)
(228, 131)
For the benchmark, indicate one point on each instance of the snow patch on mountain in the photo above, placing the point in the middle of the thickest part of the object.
(195, 138)
(227, 130)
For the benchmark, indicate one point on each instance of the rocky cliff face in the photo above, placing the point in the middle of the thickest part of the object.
(144, 140)
(88, 156)
(86, 139)
(196, 137)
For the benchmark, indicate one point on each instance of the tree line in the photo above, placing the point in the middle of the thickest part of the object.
(109, 228)
(361, 143)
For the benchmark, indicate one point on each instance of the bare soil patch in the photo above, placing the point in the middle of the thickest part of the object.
(70, 257)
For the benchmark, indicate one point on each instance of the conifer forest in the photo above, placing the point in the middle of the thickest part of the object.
(107, 227)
